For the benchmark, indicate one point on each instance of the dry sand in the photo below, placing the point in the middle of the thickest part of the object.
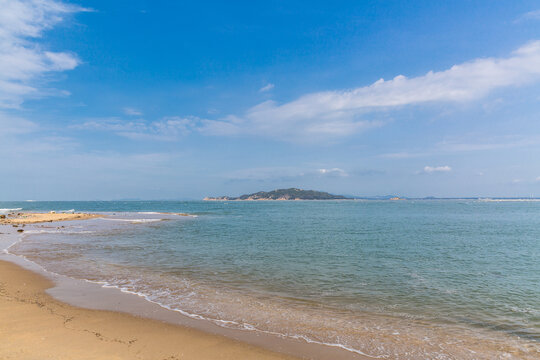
(33, 325)
(33, 218)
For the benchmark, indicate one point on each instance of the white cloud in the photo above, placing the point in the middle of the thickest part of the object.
(267, 87)
(298, 130)
(434, 169)
(335, 114)
(23, 62)
(333, 172)
(132, 111)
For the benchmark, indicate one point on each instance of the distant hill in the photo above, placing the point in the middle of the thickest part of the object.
(282, 194)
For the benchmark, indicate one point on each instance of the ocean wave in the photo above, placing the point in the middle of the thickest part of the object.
(510, 200)
(154, 295)
(134, 220)
(5, 211)
(66, 211)
(231, 324)
(33, 232)
(164, 213)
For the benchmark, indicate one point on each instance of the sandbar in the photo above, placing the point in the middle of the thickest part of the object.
(33, 218)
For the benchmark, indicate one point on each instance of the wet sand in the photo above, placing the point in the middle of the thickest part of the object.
(44, 315)
(33, 325)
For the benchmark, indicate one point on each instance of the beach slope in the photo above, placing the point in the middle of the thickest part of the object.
(33, 325)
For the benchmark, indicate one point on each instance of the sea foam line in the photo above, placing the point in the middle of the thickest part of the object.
(218, 322)
(5, 211)
(165, 213)
(34, 232)
(133, 220)
(237, 325)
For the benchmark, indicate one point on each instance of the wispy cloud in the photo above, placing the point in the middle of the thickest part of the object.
(332, 115)
(404, 155)
(23, 61)
(531, 15)
(436, 169)
(458, 146)
(273, 174)
(20, 137)
(132, 111)
(335, 114)
(267, 87)
(333, 172)
(14, 125)
(165, 129)
(296, 130)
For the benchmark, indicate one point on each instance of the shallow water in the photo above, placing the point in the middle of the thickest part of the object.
(408, 279)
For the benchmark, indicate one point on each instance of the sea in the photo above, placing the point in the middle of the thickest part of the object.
(415, 279)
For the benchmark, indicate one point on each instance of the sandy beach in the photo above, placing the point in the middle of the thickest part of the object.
(43, 319)
(18, 218)
(33, 325)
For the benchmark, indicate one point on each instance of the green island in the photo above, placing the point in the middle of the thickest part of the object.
(282, 194)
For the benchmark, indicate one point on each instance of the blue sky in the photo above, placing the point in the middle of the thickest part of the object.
(177, 100)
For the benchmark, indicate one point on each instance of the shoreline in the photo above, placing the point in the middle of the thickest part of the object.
(106, 265)
(84, 296)
(35, 325)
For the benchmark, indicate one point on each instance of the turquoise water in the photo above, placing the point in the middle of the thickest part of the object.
(405, 279)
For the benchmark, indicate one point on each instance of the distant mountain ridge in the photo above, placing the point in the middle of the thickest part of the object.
(282, 194)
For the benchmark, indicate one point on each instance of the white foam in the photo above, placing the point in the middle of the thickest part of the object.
(134, 220)
(220, 322)
(5, 211)
(165, 213)
(231, 323)
(151, 297)
(33, 232)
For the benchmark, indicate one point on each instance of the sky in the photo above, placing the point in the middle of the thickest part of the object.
(105, 100)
